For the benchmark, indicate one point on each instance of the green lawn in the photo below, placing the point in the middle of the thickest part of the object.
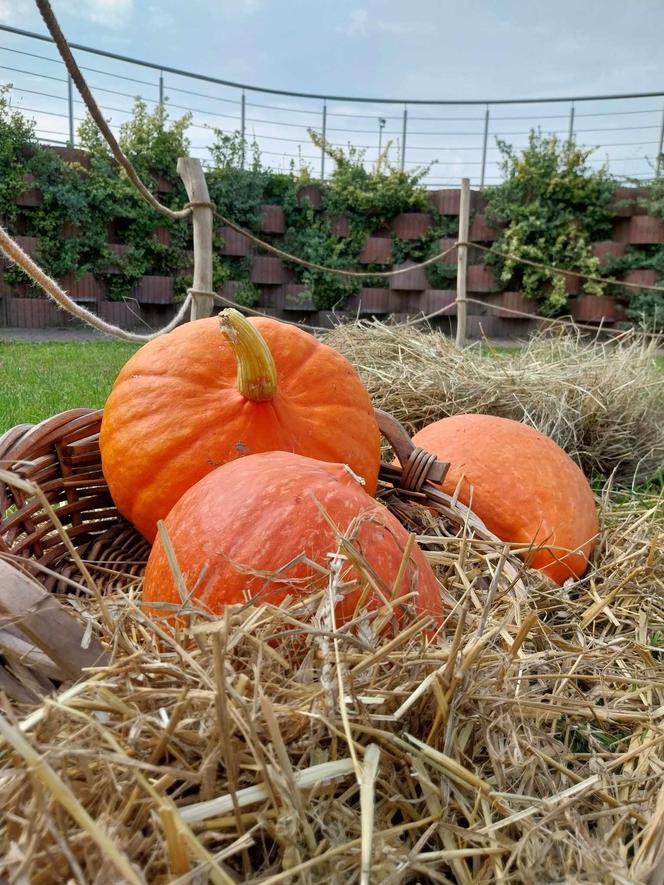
(40, 380)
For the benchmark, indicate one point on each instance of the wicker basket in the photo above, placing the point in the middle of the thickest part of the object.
(58, 520)
(61, 456)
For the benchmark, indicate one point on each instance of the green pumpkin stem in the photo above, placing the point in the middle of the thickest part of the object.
(256, 369)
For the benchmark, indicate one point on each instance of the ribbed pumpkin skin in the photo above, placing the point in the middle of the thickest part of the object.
(525, 487)
(263, 511)
(175, 413)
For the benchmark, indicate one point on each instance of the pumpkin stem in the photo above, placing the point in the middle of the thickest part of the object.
(256, 369)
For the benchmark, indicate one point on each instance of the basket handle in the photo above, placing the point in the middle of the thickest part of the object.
(417, 465)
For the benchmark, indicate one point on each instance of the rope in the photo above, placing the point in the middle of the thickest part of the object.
(257, 313)
(199, 204)
(571, 273)
(311, 265)
(14, 252)
(74, 72)
(531, 316)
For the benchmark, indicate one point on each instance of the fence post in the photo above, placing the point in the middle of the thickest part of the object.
(191, 172)
(660, 149)
(243, 123)
(462, 262)
(571, 123)
(484, 144)
(322, 150)
(403, 138)
(70, 103)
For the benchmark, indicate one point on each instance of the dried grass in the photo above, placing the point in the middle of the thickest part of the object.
(527, 745)
(603, 402)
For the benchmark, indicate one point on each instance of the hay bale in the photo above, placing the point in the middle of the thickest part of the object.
(602, 402)
(526, 746)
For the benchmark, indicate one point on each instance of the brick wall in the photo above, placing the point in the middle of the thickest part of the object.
(151, 304)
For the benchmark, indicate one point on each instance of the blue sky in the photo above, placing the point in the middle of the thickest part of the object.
(378, 48)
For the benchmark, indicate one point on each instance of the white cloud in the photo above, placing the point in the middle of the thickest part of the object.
(361, 25)
(358, 24)
(249, 6)
(160, 18)
(12, 10)
(112, 14)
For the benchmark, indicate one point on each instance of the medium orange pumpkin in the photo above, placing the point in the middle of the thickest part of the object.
(258, 514)
(524, 487)
(196, 398)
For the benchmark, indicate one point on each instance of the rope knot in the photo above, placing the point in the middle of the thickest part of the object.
(200, 204)
(420, 467)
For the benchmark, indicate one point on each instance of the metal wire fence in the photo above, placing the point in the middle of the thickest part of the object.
(459, 138)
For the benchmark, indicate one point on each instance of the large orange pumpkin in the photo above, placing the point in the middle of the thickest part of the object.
(524, 487)
(196, 398)
(258, 514)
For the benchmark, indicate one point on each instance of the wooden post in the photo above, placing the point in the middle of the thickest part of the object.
(193, 177)
(462, 262)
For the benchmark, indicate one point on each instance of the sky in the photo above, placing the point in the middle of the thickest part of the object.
(423, 49)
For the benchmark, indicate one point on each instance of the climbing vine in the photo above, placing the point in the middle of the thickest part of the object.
(549, 208)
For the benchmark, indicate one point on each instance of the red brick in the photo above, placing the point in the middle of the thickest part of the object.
(447, 201)
(626, 201)
(515, 301)
(28, 244)
(370, 301)
(70, 230)
(297, 297)
(267, 270)
(31, 196)
(642, 277)
(414, 280)
(478, 327)
(311, 194)
(73, 155)
(324, 319)
(644, 229)
(594, 309)
(33, 313)
(572, 283)
(480, 279)
(445, 244)
(11, 290)
(229, 289)
(155, 290)
(621, 228)
(85, 288)
(480, 231)
(606, 249)
(235, 243)
(377, 250)
(162, 235)
(122, 314)
(411, 225)
(273, 220)
(433, 300)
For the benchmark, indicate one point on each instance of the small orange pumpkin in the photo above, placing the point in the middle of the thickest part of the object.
(264, 513)
(196, 398)
(522, 485)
